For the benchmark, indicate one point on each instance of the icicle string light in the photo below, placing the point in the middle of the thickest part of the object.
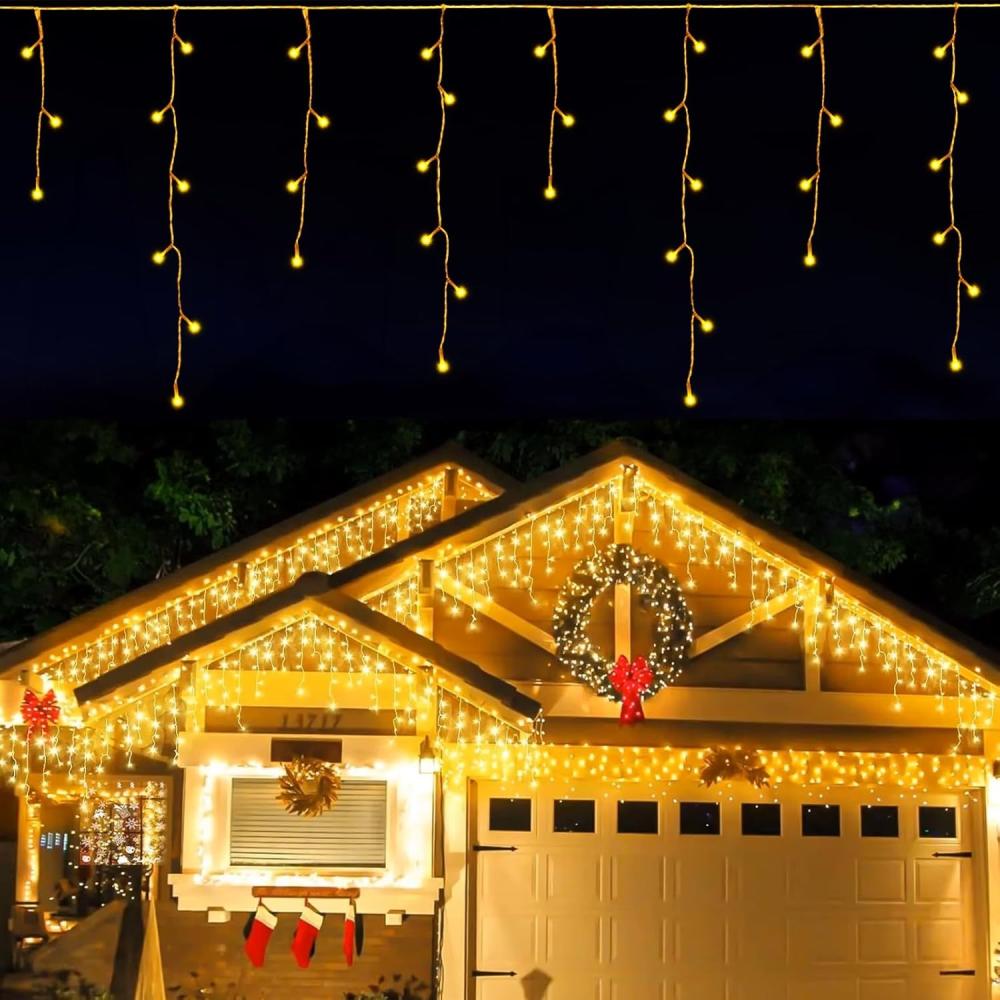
(811, 183)
(447, 99)
(183, 186)
(688, 181)
(44, 114)
(958, 97)
(567, 119)
(298, 185)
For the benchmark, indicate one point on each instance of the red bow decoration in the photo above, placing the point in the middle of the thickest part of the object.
(39, 713)
(630, 680)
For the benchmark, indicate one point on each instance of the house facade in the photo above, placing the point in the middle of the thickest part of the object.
(599, 735)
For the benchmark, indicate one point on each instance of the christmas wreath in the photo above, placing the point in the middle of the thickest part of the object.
(727, 765)
(658, 591)
(309, 786)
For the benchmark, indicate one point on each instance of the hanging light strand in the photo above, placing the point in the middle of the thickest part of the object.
(44, 115)
(183, 186)
(447, 99)
(688, 181)
(811, 183)
(299, 184)
(958, 97)
(567, 119)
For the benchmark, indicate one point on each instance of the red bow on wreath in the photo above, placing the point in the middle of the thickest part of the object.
(630, 680)
(39, 713)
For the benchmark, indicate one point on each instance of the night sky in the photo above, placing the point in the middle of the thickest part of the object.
(571, 307)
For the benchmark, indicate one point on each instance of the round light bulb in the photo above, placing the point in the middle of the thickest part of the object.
(690, 399)
(540, 51)
(294, 52)
(568, 120)
(449, 98)
(938, 239)
(183, 186)
(55, 121)
(187, 48)
(806, 51)
(297, 261)
(157, 117)
(550, 193)
(443, 366)
(426, 239)
(292, 186)
(836, 121)
(322, 121)
(671, 256)
(423, 166)
(28, 51)
(426, 54)
(956, 364)
(809, 260)
(670, 115)
(36, 193)
(159, 257)
(940, 52)
(700, 47)
(936, 164)
(177, 400)
(696, 184)
(962, 96)
(461, 292)
(973, 291)
(806, 184)
(194, 326)
(707, 325)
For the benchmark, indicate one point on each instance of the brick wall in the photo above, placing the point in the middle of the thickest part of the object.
(197, 954)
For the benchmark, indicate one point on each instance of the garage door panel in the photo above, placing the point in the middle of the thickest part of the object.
(574, 938)
(508, 943)
(818, 876)
(631, 986)
(884, 989)
(701, 937)
(881, 880)
(762, 940)
(702, 878)
(574, 878)
(641, 880)
(937, 880)
(882, 940)
(939, 941)
(821, 937)
(508, 880)
(641, 940)
(841, 988)
(700, 988)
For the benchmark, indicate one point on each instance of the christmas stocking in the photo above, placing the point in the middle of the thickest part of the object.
(350, 919)
(304, 939)
(258, 933)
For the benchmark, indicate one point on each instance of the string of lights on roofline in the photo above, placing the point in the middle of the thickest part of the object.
(525, 556)
(447, 99)
(404, 512)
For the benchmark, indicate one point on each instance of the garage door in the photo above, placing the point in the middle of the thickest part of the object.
(855, 897)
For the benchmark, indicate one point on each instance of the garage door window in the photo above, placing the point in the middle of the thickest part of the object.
(938, 822)
(700, 818)
(573, 816)
(510, 814)
(879, 821)
(761, 819)
(821, 821)
(638, 817)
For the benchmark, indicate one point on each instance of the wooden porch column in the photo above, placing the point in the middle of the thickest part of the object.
(624, 525)
(450, 499)
(425, 598)
(29, 829)
(991, 849)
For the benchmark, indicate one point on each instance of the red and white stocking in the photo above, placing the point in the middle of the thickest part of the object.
(258, 933)
(306, 932)
(350, 920)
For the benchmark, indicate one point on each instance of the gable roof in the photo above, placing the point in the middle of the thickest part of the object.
(18, 655)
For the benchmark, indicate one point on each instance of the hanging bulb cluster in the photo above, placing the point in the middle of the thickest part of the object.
(44, 115)
(811, 183)
(447, 100)
(567, 119)
(958, 97)
(298, 185)
(695, 184)
(174, 182)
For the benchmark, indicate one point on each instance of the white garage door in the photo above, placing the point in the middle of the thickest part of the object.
(691, 897)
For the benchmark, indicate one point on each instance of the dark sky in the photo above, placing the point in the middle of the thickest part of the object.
(571, 308)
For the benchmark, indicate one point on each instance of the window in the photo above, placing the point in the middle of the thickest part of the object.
(573, 816)
(700, 818)
(638, 817)
(510, 814)
(938, 822)
(821, 821)
(351, 835)
(879, 821)
(761, 819)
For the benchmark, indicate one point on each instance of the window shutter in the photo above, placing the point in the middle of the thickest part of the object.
(350, 835)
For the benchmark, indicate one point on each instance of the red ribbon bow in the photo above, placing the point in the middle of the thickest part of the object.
(39, 713)
(630, 680)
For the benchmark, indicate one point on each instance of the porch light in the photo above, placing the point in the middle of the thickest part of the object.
(430, 763)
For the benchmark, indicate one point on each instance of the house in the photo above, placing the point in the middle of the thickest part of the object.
(786, 787)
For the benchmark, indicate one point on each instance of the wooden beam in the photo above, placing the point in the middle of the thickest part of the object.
(489, 608)
(742, 623)
(450, 499)
(623, 531)
(425, 598)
